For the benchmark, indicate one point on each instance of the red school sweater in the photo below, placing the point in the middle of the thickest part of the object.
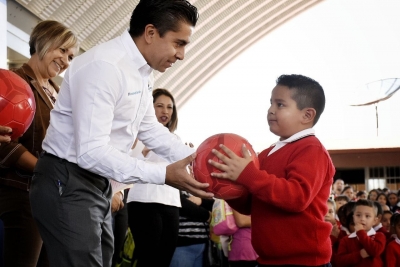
(287, 201)
(392, 254)
(349, 250)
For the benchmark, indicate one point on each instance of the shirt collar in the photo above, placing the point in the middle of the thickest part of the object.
(137, 58)
(379, 226)
(369, 233)
(293, 138)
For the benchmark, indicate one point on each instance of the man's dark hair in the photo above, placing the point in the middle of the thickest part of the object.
(307, 93)
(165, 15)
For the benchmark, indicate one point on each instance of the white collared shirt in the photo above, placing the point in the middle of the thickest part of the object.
(295, 137)
(105, 102)
(379, 226)
(369, 233)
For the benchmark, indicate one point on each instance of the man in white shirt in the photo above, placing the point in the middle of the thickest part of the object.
(105, 103)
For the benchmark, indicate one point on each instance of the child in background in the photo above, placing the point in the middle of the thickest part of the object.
(382, 199)
(331, 218)
(393, 202)
(345, 216)
(241, 252)
(340, 201)
(286, 230)
(378, 227)
(387, 214)
(392, 254)
(361, 195)
(349, 192)
(364, 247)
(373, 195)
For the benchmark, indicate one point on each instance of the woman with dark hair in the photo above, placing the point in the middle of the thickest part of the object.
(52, 47)
(153, 210)
(373, 195)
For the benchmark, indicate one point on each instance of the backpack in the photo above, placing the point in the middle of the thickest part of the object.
(127, 257)
(222, 220)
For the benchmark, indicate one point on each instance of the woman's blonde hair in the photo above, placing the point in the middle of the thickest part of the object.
(50, 34)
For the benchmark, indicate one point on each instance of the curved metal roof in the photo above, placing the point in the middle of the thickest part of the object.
(225, 29)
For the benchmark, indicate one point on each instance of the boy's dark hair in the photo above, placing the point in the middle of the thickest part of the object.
(165, 15)
(342, 197)
(395, 219)
(368, 203)
(307, 92)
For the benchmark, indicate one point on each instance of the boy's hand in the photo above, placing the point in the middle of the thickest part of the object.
(234, 164)
(358, 227)
(335, 230)
(364, 253)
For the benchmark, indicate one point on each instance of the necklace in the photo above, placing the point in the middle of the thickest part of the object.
(48, 93)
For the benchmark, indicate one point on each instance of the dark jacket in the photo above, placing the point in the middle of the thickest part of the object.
(31, 140)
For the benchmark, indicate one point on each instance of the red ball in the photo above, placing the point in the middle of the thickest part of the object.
(17, 103)
(221, 188)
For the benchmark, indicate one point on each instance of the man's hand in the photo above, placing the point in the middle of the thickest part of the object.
(234, 165)
(117, 202)
(178, 177)
(4, 134)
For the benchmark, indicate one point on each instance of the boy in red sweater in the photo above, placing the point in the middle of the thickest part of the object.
(287, 195)
(392, 254)
(364, 247)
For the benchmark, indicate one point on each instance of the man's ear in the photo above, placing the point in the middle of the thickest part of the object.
(309, 115)
(149, 32)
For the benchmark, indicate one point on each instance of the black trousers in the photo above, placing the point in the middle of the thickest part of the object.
(23, 246)
(154, 229)
(72, 209)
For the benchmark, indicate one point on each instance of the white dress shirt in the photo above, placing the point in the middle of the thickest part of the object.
(105, 102)
(153, 193)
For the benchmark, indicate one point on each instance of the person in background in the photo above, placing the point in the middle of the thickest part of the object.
(373, 195)
(242, 253)
(378, 227)
(383, 200)
(52, 47)
(340, 201)
(331, 218)
(155, 232)
(361, 195)
(5, 131)
(386, 220)
(392, 253)
(364, 247)
(194, 219)
(348, 191)
(393, 202)
(337, 187)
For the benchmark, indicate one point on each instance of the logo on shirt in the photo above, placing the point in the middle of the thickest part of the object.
(134, 93)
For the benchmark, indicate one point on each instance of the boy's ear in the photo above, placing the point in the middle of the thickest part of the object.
(309, 115)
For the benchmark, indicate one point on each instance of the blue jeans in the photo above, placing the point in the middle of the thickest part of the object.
(188, 256)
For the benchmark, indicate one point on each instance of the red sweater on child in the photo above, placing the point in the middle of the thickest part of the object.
(349, 250)
(392, 254)
(287, 201)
